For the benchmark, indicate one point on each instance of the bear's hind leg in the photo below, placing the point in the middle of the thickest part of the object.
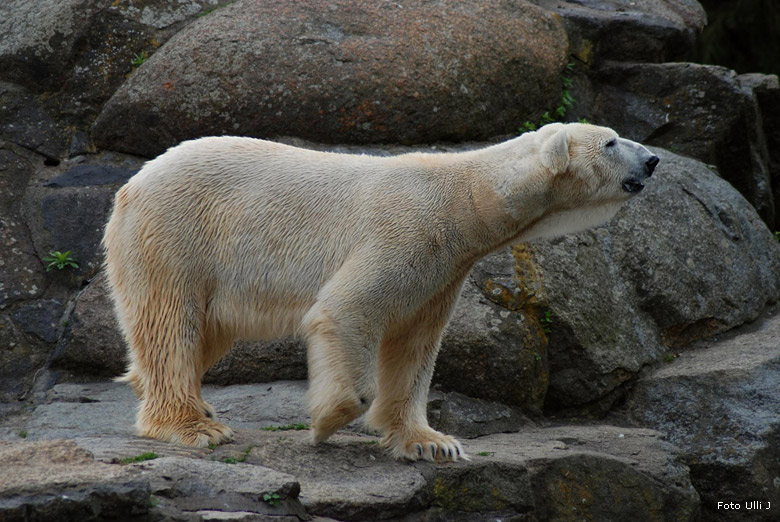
(132, 377)
(166, 348)
(216, 342)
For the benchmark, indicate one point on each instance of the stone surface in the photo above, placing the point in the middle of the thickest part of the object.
(766, 90)
(82, 50)
(22, 276)
(699, 257)
(698, 110)
(688, 259)
(86, 174)
(67, 206)
(41, 318)
(58, 480)
(465, 416)
(539, 473)
(93, 344)
(486, 343)
(342, 72)
(27, 123)
(719, 403)
(648, 31)
(21, 271)
(280, 359)
(194, 485)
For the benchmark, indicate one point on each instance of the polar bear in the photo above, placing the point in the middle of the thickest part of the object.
(363, 257)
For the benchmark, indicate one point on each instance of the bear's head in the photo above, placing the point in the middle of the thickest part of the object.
(590, 172)
(595, 161)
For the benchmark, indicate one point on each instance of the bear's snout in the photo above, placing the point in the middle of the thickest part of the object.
(650, 164)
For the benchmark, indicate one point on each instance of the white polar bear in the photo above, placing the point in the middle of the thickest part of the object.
(364, 257)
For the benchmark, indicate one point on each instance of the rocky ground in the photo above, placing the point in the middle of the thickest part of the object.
(714, 440)
(70, 464)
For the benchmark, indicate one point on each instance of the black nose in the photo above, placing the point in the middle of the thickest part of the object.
(651, 163)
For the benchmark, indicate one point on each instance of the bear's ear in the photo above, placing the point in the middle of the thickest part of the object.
(555, 152)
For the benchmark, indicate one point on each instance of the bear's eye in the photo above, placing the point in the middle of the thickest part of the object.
(611, 143)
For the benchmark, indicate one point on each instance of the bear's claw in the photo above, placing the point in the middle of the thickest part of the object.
(426, 445)
(200, 433)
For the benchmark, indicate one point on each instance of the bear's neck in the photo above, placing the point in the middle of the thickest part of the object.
(511, 195)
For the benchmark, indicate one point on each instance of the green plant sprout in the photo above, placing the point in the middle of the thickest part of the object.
(546, 321)
(242, 458)
(139, 458)
(139, 58)
(60, 260)
(558, 114)
(271, 498)
(286, 427)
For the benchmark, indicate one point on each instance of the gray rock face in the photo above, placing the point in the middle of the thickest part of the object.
(342, 72)
(711, 264)
(184, 484)
(649, 31)
(465, 416)
(488, 342)
(766, 90)
(21, 272)
(21, 275)
(26, 122)
(94, 344)
(58, 480)
(698, 110)
(719, 403)
(83, 49)
(687, 259)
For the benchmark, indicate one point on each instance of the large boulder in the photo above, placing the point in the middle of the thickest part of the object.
(702, 111)
(719, 404)
(343, 72)
(82, 50)
(687, 259)
(648, 31)
(22, 275)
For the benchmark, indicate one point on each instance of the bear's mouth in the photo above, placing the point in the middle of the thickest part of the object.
(632, 185)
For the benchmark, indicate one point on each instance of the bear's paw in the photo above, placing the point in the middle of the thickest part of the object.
(200, 432)
(425, 444)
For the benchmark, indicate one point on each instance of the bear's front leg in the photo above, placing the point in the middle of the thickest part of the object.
(405, 370)
(342, 369)
(405, 366)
